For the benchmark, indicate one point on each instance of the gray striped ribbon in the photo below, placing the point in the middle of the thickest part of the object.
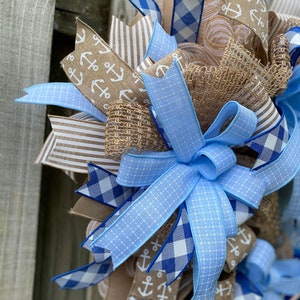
(267, 116)
(290, 7)
(130, 42)
(75, 141)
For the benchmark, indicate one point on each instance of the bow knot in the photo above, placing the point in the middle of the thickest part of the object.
(213, 160)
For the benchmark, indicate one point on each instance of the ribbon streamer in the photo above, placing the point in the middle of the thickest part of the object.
(61, 94)
(293, 36)
(74, 142)
(146, 7)
(131, 41)
(99, 73)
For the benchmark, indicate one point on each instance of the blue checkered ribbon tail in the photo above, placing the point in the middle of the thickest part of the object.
(293, 36)
(186, 21)
(101, 254)
(102, 187)
(85, 276)
(270, 144)
(146, 7)
(177, 250)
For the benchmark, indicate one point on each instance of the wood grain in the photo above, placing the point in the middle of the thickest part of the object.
(25, 35)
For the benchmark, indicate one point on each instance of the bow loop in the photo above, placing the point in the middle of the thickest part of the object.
(241, 127)
(214, 159)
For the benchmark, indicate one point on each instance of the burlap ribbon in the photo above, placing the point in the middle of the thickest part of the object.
(238, 247)
(99, 73)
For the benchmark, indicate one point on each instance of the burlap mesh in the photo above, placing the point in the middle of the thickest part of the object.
(266, 220)
(212, 87)
(280, 67)
(129, 128)
(274, 76)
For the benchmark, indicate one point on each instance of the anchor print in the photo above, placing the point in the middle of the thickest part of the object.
(80, 38)
(178, 60)
(99, 41)
(161, 69)
(237, 13)
(156, 245)
(222, 291)
(95, 85)
(92, 64)
(234, 249)
(72, 75)
(246, 239)
(253, 17)
(145, 256)
(110, 68)
(147, 287)
(123, 95)
(164, 289)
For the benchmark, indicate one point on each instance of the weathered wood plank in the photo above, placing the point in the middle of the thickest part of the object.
(25, 35)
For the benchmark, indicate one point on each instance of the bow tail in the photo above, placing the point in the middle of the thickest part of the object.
(207, 225)
(177, 250)
(85, 276)
(147, 213)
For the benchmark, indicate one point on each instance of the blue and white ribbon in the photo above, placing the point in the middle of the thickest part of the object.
(186, 20)
(186, 17)
(61, 94)
(102, 187)
(146, 7)
(272, 278)
(161, 44)
(293, 36)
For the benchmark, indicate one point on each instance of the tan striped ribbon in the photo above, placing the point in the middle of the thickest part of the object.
(99, 73)
(279, 23)
(91, 209)
(74, 142)
(290, 7)
(130, 42)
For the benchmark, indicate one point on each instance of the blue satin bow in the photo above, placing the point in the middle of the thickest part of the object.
(200, 170)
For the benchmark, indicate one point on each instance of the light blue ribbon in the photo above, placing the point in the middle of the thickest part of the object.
(200, 170)
(61, 94)
(195, 171)
(272, 277)
(161, 44)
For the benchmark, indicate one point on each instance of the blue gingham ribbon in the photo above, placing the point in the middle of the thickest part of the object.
(270, 144)
(178, 248)
(102, 265)
(84, 276)
(146, 7)
(272, 278)
(186, 17)
(293, 36)
(102, 187)
(186, 20)
(60, 94)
